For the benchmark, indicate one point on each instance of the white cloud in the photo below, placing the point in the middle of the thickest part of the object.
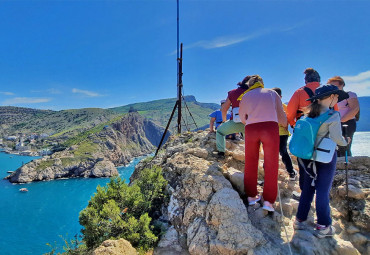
(85, 92)
(25, 100)
(359, 83)
(7, 93)
(224, 41)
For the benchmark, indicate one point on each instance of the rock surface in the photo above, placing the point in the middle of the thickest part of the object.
(115, 247)
(96, 156)
(208, 215)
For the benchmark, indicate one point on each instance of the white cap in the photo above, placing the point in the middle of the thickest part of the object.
(223, 101)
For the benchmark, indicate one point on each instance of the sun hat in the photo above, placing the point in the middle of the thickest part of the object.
(223, 101)
(327, 90)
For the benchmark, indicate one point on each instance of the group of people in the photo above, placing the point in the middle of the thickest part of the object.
(259, 114)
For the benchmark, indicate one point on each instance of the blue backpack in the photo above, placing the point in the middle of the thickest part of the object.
(302, 143)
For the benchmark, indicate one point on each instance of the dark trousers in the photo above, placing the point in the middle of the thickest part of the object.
(323, 183)
(284, 154)
(351, 129)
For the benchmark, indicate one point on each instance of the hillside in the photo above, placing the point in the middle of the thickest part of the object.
(96, 152)
(364, 123)
(14, 120)
(160, 111)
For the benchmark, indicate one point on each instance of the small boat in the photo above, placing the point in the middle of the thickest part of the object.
(10, 172)
(23, 190)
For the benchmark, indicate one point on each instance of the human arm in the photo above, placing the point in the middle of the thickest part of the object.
(335, 130)
(225, 106)
(292, 109)
(211, 125)
(354, 107)
(243, 110)
(282, 118)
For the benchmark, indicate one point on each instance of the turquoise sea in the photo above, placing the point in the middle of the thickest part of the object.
(30, 220)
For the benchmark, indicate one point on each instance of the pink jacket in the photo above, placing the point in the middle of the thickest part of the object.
(262, 105)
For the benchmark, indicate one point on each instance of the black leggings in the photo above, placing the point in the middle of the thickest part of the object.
(351, 129)
(284, 154)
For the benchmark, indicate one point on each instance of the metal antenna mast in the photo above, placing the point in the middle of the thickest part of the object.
(179, 85)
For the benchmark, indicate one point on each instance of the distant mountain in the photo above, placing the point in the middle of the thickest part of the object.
(159, 111)
(364, 123)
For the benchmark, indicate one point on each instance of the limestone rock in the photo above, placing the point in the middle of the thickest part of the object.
(104, 168)
(236, 178)
(353, 192)
(115, 247)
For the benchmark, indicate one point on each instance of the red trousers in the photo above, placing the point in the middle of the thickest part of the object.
(266, 133)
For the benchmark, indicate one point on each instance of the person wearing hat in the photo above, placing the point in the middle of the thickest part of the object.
(216, 118)
(325, 98)
(261, 111)
(233, 125)
(348, 110)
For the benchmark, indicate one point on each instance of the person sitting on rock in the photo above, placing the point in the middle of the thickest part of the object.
(261, 111)
(216, 118)
(233, 125)
(321, 181)
(284, 135)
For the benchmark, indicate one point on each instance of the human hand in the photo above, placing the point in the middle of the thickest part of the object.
(348, 139)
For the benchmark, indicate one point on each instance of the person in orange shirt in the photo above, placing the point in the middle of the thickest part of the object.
(298, 102)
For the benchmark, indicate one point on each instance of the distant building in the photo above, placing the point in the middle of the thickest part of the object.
(11, 138)
(45, 152)
(44, 135)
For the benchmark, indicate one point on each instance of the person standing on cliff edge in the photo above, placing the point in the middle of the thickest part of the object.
(233, 125)
(261, 111)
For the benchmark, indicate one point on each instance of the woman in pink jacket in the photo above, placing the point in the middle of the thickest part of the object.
(261, 111)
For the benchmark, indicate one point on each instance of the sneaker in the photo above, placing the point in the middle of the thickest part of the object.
(293, 176)
(299, 225)
(296, 195)
(268, 206)
(219, 154)
(253, 200)
(325, 232)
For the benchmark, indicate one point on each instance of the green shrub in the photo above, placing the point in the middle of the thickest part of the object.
(122, 211)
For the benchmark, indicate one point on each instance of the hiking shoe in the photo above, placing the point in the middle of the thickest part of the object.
(293, 176)
(219, 154)
(253, 200)
(268, 206)
(299, 225)
(325, 232)
(296, 195)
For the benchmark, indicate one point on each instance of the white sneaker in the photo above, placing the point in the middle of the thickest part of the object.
(268, 206)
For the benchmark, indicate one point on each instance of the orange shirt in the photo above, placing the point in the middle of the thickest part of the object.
(298, 103)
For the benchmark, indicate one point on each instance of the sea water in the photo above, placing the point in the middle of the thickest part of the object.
(49, 210)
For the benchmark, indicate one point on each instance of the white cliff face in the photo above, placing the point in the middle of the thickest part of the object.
(208, 215)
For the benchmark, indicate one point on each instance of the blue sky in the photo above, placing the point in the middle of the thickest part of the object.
(74, 54)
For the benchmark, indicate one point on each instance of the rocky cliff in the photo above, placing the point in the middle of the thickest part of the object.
(207, 212)
(98, 154)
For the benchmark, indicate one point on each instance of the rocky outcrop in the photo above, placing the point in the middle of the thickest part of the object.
(115, 247)
(96, 156)
(208, 215)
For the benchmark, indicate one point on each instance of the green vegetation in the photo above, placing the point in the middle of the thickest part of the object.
(121, 211)
(84, 135)
(45, 164)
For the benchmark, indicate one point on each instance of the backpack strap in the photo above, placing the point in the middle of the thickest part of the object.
(308, 91)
